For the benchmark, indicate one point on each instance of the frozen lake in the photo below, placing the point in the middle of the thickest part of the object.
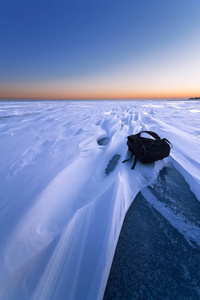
(65, 192)
(157, 255)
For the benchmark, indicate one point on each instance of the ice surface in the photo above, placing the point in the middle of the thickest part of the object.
(60, 213)
(112, 164)
(157, 254)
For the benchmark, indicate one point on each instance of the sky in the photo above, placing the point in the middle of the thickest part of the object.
(94, 49)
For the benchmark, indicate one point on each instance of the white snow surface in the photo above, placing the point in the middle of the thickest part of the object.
(60, 213)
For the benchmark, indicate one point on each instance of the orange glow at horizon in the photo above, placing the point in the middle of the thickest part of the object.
(97, 95)
(56, 92)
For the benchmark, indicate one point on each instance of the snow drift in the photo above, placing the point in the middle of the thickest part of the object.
(65, 192)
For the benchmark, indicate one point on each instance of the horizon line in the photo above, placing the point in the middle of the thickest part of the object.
(96, 98)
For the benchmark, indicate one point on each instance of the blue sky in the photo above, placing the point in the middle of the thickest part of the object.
(97, 49)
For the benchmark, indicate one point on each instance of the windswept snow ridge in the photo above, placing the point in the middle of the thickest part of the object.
(65, 192)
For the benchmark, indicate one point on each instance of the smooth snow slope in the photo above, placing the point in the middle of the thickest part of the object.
(65, 192)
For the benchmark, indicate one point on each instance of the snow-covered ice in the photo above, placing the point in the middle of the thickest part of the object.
(65, 192)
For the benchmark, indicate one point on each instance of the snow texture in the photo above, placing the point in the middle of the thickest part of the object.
(65, 192)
